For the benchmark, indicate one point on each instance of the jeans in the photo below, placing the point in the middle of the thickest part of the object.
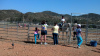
(35, 35)
(79, 40)
(55, 38)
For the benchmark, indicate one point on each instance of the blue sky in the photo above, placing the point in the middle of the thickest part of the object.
(58, 6)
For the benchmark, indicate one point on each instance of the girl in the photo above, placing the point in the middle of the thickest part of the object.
(36, 34)
(79, 38)
(43, 31)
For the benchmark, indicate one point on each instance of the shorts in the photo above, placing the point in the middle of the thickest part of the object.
(43, 32)
(74, 33)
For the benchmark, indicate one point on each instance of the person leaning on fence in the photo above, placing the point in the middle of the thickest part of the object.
(43, 31)
(55, 33)
(79, 38)
(36, 34)
(74, 31)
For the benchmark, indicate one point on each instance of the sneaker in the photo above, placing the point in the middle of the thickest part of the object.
(41, 43)
(78, 47)
(45, 43)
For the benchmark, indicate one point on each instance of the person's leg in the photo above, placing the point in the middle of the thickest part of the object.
(45, 35)
(41, 38)
(35, 37)
(42, 34)
(45, 38)
(38, 36)
(80, 41)
(74, 34)
(54, 38)
(77, 40)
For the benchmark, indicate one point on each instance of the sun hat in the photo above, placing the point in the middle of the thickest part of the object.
(79, 25)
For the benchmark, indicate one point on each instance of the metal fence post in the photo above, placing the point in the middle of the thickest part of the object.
(86, 35)
(28, 32)
(70, 28)
(17, 29)
(7, 30)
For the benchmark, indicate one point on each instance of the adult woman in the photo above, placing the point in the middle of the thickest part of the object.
(55, 33)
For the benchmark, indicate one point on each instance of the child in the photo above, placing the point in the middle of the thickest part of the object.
(55, 33)
(74, 31)
(36, 34)
(79, 38)
(43, 31)
(62, 20)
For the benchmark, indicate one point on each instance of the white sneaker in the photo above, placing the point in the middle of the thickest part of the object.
(78, 47)
(45, 43)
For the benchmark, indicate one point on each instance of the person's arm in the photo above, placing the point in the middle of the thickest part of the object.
(81, 33)
(38, 29)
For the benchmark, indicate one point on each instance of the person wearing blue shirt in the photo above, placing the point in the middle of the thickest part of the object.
(78, 35)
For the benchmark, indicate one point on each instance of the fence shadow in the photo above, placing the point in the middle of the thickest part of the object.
(96, 51)
(31, 42)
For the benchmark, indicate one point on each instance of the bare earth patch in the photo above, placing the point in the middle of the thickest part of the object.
(26, 49)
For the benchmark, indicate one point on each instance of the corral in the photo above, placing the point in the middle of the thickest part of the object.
(23, 37)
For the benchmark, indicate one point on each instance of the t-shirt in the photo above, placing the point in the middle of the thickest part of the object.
(78, 31)
(44, 27)
(36, 32)
(63, 20)
(55, 29)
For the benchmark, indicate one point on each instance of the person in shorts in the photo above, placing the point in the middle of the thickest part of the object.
(43, 31)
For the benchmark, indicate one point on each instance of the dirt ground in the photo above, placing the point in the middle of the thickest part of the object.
(31, 49)
(24, 48)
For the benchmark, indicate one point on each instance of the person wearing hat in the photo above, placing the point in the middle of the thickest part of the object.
(74, 31)
(78, 35)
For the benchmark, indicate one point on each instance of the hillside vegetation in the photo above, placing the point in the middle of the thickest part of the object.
(50, 17)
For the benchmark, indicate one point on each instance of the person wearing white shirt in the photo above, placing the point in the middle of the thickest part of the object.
(62, 20)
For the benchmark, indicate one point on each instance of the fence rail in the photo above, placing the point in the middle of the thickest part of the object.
(28, 31)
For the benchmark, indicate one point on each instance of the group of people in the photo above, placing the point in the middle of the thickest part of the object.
(76, 32)
(55, 30)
